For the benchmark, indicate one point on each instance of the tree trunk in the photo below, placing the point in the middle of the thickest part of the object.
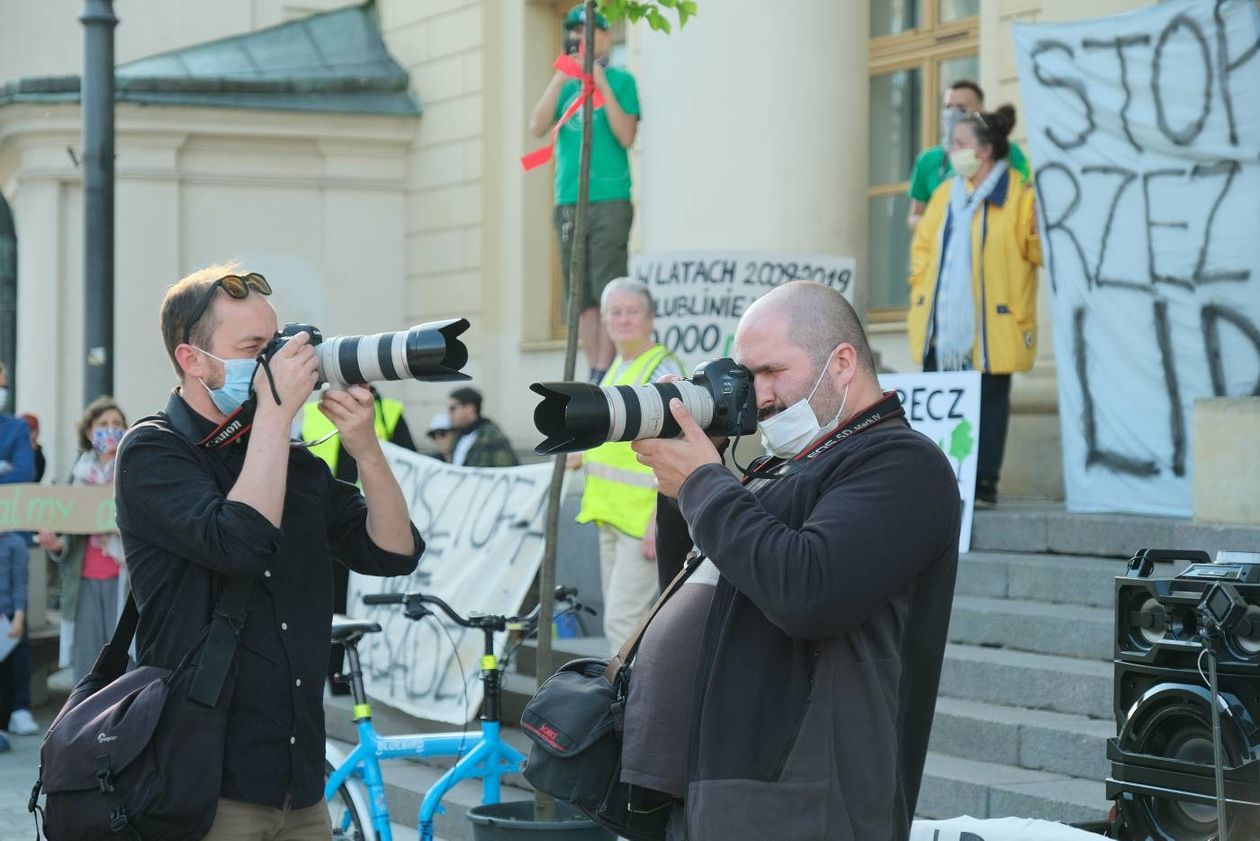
(545, 804)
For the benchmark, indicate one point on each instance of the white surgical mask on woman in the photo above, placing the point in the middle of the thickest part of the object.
(788, 432)
(964, 162)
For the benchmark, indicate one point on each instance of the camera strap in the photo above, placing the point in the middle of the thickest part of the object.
(772, 467)
(231, 430)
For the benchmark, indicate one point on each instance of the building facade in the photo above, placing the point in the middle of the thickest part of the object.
(785, 127)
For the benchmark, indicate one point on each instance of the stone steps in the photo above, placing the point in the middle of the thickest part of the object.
(1025, 680)
(1046, 528)
(1058, 579)
(954, 786)
(1067, 630)
(1039, 740)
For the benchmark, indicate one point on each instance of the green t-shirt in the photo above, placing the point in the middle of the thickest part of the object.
(610, 165)
(932, 167)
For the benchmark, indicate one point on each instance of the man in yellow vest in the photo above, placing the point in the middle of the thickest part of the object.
(391, 427)
(620, 496)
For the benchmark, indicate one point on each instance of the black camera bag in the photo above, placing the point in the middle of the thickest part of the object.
(139, 755)
(576, 724)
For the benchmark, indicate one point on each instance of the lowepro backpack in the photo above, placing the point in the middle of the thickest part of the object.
(138, 755)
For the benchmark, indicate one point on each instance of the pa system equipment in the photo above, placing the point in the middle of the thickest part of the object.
(1187, 700)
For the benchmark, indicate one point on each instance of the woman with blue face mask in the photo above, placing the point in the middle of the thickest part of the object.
(93, 577)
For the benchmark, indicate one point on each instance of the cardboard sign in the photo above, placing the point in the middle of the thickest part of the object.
(483, 534)
(945, 406)
(66, 509)
(700, 295)
(1145, 145)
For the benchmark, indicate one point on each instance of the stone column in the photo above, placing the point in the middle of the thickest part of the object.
(754, 131)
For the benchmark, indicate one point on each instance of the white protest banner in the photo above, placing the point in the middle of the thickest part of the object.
(483, 533)
(1145, 140)
(945, 406)
(700, 295)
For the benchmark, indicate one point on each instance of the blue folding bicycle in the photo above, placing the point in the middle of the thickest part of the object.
(354, 788)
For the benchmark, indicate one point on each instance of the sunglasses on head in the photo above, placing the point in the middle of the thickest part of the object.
(236, 285)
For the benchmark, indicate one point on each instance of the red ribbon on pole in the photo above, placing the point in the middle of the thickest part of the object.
(569, 67)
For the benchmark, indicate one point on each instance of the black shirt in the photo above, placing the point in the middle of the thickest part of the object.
(182, 536)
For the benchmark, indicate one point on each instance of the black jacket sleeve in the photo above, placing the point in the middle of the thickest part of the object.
(673, 541)
(874, 526)
(165, 496)
(348, 537)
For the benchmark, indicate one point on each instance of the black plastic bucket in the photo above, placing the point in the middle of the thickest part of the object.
(516, 822)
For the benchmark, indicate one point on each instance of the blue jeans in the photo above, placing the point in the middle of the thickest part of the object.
(15, 680)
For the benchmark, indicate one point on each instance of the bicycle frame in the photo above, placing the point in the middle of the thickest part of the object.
(483, 754)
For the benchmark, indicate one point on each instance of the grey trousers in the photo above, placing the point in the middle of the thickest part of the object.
(95, 618)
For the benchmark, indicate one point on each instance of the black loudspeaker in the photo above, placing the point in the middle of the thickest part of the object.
(1162, 771)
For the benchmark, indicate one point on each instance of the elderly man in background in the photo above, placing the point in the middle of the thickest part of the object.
(620, 496)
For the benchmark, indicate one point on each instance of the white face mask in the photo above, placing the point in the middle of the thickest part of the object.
(4, 398)
(787, 433)
(964, 162)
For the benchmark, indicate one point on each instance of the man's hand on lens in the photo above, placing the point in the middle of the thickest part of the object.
(353, 412)
(295, 372)
(674, 459)
(719, 441)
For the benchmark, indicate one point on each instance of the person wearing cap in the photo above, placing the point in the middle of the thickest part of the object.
(442, 435)
(610, 211)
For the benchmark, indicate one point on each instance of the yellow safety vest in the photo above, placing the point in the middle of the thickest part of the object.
(315, 426)
(619, 491)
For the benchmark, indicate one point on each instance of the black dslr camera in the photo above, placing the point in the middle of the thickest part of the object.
(287, 332)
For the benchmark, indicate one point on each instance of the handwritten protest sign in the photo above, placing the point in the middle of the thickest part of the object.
(945, 406)
(1146, 145)
(483, 533)
(700, 295)
(67, 509)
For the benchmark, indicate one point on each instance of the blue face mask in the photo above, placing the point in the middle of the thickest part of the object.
(238, 378)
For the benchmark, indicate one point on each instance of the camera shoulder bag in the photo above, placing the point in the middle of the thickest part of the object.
(138, 755)
(576, 724)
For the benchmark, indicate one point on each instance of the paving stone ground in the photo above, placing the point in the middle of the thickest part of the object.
(18, 769)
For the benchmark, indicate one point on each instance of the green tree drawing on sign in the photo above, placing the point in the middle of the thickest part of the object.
(961, 443)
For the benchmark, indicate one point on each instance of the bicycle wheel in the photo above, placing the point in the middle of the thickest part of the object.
(346, 811)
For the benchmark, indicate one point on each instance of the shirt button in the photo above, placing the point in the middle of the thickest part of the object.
(297, 682)
(293, 740)
(284, 626)
(266, 573)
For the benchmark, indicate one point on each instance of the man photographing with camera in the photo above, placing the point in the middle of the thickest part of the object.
(210, 491)
(787, 689)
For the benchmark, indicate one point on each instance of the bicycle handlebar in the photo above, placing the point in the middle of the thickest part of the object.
(561, 593)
